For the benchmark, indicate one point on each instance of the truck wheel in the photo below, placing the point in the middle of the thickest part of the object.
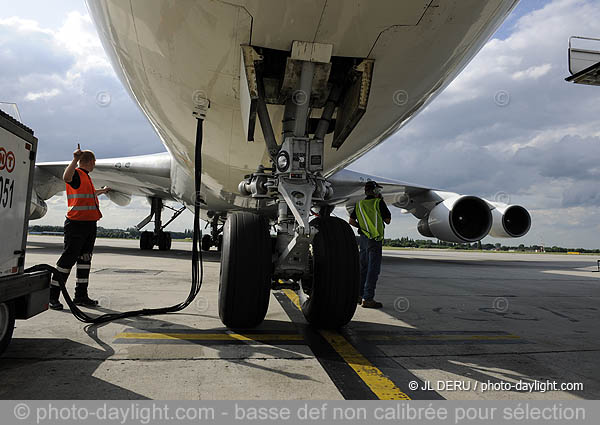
(206, 242)
(146, 241)
(334, 287)
(7, 324)
(245, 282)
(164, 241)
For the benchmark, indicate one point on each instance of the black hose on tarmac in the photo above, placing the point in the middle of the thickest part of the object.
(197, 269)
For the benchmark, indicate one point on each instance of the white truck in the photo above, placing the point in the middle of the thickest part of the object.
(22, 295)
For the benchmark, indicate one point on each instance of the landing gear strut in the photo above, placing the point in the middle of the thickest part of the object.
(215, 238)
(159, 237)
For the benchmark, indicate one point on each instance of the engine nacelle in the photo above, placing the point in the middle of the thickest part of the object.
(37, 208)
(461, 219)
(509, 221)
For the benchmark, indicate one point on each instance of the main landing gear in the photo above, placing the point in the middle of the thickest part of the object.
(160, 238)
(215, 238)
(320, 254)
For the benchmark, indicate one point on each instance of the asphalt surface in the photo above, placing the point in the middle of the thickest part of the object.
(455, 325)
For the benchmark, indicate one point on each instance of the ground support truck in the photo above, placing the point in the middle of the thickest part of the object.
(22, 295)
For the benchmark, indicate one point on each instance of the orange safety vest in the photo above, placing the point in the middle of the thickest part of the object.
(83, 202)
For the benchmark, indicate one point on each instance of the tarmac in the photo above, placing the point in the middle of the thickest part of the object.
(455, 325)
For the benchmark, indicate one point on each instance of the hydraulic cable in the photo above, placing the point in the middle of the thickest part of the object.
(197, 268)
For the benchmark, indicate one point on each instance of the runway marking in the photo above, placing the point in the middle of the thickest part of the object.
(130, 336)
(212, 337)
(384, 388)
(443, 339)
(381, 386)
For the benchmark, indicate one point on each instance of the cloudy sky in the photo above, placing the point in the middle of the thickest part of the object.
(508, 127)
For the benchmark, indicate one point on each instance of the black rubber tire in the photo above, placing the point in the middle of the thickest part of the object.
(336, 275)
(164, 241)
(206, 242)
(146, 241)
(7, 324)
(246, 269)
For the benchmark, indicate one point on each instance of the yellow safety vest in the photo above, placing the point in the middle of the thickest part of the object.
(369, 218)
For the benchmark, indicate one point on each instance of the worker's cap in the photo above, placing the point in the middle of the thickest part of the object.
(370, 185)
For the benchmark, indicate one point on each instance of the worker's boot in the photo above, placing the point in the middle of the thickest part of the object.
(371, 304)
(81, 296)
(54, 303)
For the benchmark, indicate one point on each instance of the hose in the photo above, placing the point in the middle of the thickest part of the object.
(197, 269)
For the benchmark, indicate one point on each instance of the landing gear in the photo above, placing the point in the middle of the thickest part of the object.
(322, 254)
(245, 280)
(328, 297)
(216, 233)
(164, 241)
(148, 240)
(206, 242)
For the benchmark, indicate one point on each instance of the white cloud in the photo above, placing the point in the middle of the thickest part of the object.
(42, 95)
(78, 36)
(533, 72)
(24, 25)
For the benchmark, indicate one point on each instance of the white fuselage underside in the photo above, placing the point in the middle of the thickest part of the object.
(169, 52)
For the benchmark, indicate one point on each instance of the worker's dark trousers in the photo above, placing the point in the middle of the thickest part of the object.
(370, 266)
(80, 237)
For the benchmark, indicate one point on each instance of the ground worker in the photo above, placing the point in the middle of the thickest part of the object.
(369, 216)
(80, 229)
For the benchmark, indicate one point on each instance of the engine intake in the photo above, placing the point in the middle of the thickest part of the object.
(459, 219)
(38, 207)
(510, 221)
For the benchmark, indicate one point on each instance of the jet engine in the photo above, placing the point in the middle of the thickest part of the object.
(459, 219)
(509, 221)
(38, 207)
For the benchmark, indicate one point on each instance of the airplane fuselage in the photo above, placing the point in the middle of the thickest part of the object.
(170, 53)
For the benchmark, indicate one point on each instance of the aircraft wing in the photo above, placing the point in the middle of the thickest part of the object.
(146, 175)
(445, 215)
(348, 189)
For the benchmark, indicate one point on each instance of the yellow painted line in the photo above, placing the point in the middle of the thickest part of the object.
(440, 337)
(293, 296)
(381, 386)
(211, 337)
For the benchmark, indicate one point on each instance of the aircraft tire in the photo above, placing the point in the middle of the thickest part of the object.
(334, 287)
(245, 278)
(7, 324)
(206, 242)
(146, 242)
(164, 241)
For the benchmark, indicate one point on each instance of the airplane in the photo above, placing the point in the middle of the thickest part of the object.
(327, 81)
